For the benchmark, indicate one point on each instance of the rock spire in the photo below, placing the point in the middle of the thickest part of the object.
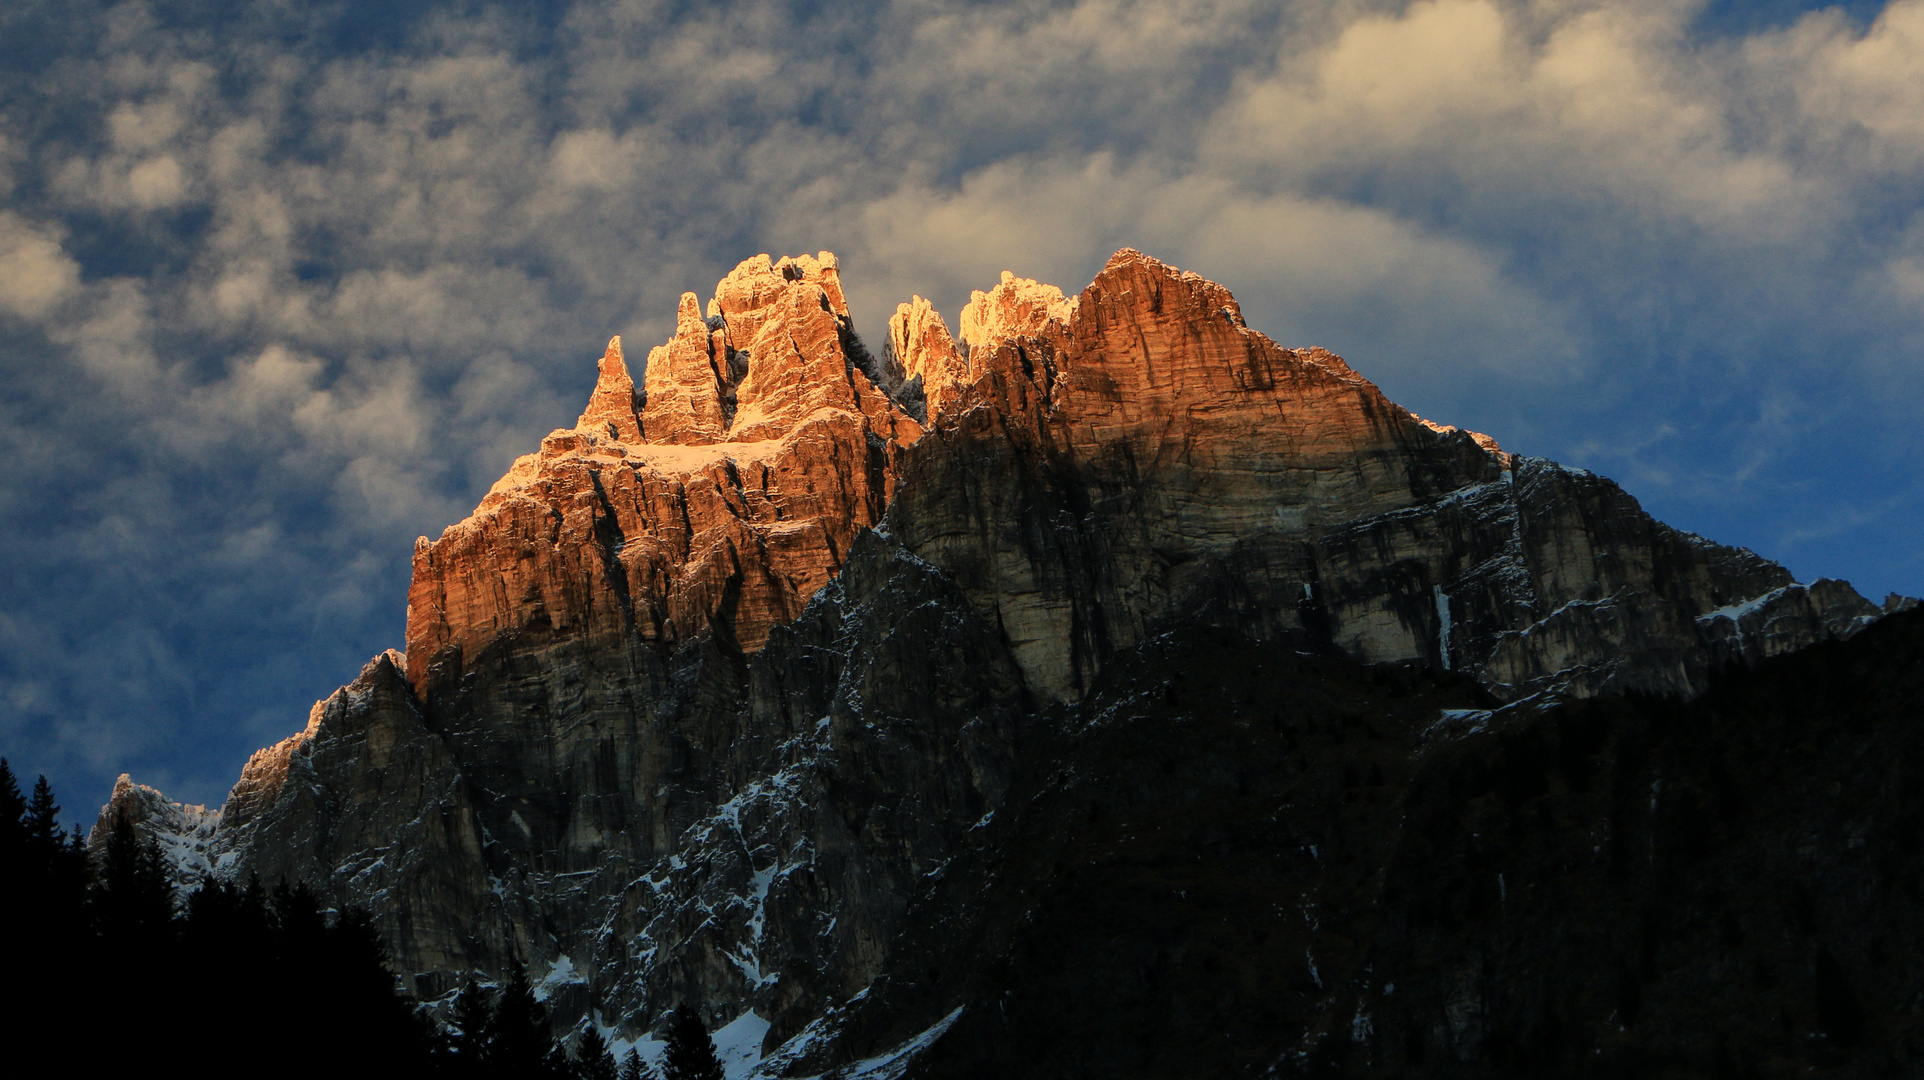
(612, 408)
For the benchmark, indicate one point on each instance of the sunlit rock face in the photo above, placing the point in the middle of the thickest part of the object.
(1138, 456)
(708, 687)
(717, 501)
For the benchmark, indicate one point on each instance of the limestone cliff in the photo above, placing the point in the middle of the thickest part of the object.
(710, 688)
(1138, 455)
(719, 499)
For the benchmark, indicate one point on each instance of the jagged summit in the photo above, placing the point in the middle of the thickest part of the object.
(611, 408)
(187, 834)
(786, 436)
(709, 685)
(729, 489)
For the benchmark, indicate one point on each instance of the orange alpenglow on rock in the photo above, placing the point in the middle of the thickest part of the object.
(732, 491)
(768, 438)
(1016, 307)
(759, 449)
(685, 383)
(919, 341)
(612, 408)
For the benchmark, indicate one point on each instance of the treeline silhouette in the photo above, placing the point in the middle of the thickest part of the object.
(109, 967)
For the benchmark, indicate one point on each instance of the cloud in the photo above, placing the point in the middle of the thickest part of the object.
(1854, 93)
(1606, 128)
(280, 304)
(1690, 215)
(1309, 270)
(35, 272)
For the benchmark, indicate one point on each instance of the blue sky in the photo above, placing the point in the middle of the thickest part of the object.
(284, 286)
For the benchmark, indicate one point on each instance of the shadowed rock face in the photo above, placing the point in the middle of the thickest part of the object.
(709, 689)
(1231, 859)
(1138, 457)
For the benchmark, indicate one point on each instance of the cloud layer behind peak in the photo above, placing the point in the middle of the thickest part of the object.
(282, 291)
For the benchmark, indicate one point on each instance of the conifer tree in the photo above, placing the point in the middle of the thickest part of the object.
(131, 908)
(299, 925)
(42, 896)
(473, 1022)
(213, 920)
(21, 883)
(60, 862)
(592, 1060)
(13, 816)
(691, 1053)
(633, 1068)
(354, 990)
(237, 956)
(256, 919)
(133, 903)
(43, 828)
(519, 1042)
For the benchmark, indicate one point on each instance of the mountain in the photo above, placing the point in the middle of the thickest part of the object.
(1231, 859)
(776, 674)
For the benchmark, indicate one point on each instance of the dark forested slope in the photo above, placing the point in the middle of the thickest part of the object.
(1241, 860)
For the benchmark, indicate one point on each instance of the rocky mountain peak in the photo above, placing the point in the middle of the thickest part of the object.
(711, 686)
(767, 437)
(186, 834)
(933, 368)
(755, 285)
(1015, 307)
(612, 407)
(687, 383)
(729, 491)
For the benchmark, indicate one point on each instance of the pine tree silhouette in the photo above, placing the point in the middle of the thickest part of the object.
(256, 919)
(23, 885)
(215, 933)
(232, 952)
(132, 901)
(60, 861)
(519, 1042)
(592, 1060)
(13, 816)
(133, 916)
(43, 883)
(354, 991)
(43, 828)
(691, 1053)
(633, 1068)
(299, 925)
(473, 1023)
